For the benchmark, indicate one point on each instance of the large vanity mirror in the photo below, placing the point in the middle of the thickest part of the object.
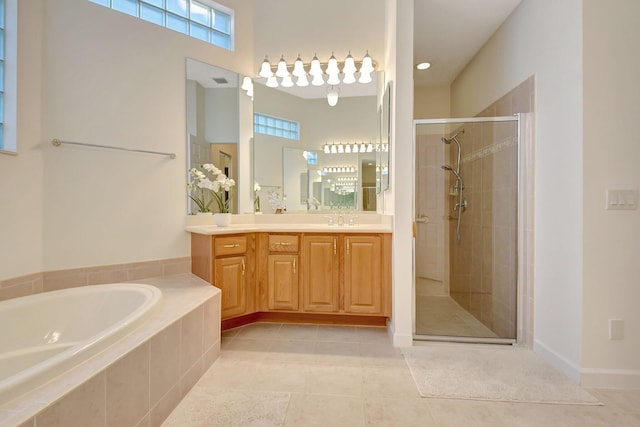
(310, 156)
(215, 107)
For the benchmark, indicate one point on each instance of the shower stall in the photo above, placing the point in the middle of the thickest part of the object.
(466, 214)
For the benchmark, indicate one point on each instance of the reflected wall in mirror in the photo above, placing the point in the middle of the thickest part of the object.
(382, 166)
(315, 156)
(214, 127)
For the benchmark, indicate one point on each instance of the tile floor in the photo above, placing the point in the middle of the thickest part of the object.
(441, 315)
(315, 375)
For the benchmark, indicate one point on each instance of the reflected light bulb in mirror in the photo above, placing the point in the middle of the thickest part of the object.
(327, 149)
(349, 78)
(265, 69)
(347, 148)
(349, 65)
(318, 80)
(272, 81)
(367, 64)
(333, 79)
(332, 97)
(286, 81)
(302, 81)
(282, 68)
(365, 78)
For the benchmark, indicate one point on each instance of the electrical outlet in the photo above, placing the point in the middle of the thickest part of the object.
(616, 329)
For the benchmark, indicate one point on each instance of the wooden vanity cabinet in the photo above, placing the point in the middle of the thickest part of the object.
(227, 262)
(363, 274)
(282, 271)
(320, 274)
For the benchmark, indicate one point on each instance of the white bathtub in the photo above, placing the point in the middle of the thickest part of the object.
(44, 335)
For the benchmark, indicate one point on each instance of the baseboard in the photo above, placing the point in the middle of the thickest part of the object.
(610, 378)
(565, 366)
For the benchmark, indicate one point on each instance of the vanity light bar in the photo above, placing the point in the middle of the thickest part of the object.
(332, 68)
(339, 169)
(353, 147)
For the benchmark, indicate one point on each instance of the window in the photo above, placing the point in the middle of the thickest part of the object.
(203, 19)
(274, 126)
(8, 75)
(2, 50)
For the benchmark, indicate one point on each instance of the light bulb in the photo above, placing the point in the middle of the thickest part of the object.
(363, 149)
(272, 81)
(286, 81)
(347, 148)
(332, 66)
(282, 68)
(367, 64)
(298, 68)
(327, 150)
(315, 69)
(333, 79)
(349, 65)
(340, 148)
(265, 69)
(318, 80)
(302, 81)
(250, 92)
(370, 148)
(334, 150)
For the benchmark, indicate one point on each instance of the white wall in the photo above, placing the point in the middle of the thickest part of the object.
(21, 176)
(611, 159)
(432, 102)
(399, 198)
(221, 111)
(544, 37)
(106, 78)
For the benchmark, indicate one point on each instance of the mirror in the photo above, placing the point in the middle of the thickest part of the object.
(309, 156)
(215, 130)
(382, 167)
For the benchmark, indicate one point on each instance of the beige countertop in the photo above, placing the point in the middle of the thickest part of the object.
(298, 223)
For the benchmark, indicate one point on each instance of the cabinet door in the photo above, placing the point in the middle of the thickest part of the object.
(282, 285)
(231, 279)
(362, 269)
(320, 277)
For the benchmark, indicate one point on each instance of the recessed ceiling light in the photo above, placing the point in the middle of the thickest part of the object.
(423, 65)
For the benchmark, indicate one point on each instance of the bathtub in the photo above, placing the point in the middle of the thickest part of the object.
(46, 334)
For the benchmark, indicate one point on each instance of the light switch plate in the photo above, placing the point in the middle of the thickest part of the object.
(621, 199)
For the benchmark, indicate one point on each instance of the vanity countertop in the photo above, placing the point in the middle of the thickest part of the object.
(293, 223)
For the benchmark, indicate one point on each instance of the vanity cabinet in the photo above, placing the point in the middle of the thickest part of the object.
(320, 274)
(298, 276)
(227, 262)
(282, 270)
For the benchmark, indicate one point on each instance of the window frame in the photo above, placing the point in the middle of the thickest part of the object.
(278, 120)
(189, 22)
(9, 120)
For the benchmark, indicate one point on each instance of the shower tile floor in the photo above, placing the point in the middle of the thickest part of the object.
(310, 375)
(443, 316)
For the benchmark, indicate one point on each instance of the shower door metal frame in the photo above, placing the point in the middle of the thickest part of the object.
(519, 302)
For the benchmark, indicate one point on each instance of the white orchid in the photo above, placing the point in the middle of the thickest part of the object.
(200, 184)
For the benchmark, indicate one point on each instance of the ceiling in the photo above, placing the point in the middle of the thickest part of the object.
(448, 34)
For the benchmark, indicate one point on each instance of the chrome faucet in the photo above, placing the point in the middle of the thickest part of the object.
(340, 219)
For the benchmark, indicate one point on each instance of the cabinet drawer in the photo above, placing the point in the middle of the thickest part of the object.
(283, 243)
(230, 245)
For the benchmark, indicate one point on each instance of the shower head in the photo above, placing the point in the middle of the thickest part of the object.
(449, 168)
(453, 138)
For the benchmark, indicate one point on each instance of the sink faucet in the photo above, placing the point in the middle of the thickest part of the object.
(340, 219)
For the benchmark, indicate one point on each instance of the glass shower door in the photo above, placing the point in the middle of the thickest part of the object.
(466, 229)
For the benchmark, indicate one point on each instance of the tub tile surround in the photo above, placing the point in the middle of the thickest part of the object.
(140, 379)
(62, 279)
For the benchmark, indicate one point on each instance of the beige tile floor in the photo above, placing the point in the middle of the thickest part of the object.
(309, 375)
(441, 315)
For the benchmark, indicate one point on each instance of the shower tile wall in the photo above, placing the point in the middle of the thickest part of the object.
(484, 264)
